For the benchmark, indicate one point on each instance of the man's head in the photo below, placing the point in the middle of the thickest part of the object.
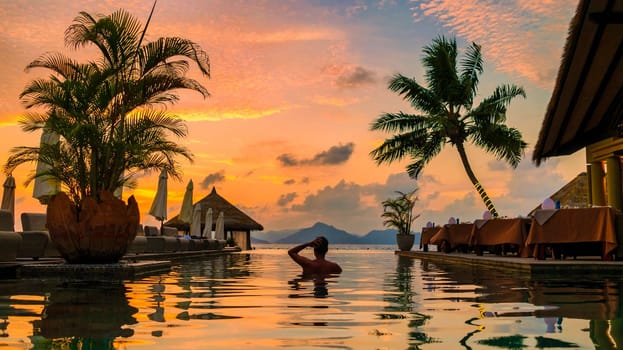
(321, 247)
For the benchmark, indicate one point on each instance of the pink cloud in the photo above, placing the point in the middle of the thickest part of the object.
(524, 38)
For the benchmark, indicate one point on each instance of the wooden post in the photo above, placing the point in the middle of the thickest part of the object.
(613, 182)
(597, 184)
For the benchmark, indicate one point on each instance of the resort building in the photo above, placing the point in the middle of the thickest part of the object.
(586, 107)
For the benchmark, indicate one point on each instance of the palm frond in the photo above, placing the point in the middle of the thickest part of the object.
(471, 67)
(420, 98)
(500, 140)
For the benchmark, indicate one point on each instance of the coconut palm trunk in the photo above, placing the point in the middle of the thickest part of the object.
(472, 177)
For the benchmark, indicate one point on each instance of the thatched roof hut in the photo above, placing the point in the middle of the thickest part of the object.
(587, 102)
(235, 219)
(574, 194)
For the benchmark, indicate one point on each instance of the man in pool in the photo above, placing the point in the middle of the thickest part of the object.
(318, 266)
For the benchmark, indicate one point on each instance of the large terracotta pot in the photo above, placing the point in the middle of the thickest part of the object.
(99, 234)
(405, 242)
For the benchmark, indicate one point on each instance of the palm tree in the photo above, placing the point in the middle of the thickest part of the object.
(111, 118)
(447, 115)
(398, 212)
(104, 110)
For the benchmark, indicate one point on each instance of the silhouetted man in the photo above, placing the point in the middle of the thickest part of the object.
(318, 266)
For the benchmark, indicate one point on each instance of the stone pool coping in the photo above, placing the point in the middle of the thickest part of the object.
(531, 266)
(131, 266)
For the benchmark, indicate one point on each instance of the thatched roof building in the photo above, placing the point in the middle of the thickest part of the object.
(574, 194)
(235, 219)
(587, 102)
(586, 107)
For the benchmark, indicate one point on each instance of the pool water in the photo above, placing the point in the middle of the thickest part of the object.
(258, 300)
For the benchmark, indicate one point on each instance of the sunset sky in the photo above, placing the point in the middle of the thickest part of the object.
(294, 87)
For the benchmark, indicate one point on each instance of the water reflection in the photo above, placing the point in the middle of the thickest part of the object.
(401, 300)
(549, 298)
(259, 300)
(319, 283)
(85, 316)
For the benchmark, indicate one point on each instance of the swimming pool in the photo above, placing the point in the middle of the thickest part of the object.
(257, 300)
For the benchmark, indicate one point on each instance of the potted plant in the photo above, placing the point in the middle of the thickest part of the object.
(398, 213)
(109, 130)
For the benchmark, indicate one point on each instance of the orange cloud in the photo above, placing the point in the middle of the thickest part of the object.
(334, 101)
(240, 113)
(289, 35)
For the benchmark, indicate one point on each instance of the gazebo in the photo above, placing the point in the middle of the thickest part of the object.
(586, 107)
(238, 225)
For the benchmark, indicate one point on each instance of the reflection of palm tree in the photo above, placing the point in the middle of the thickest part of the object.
(89, 313)
(447, 115)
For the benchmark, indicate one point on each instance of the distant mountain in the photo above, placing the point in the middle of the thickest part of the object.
(379, 237)
(271, 236)
(333, 234)
(258, 241)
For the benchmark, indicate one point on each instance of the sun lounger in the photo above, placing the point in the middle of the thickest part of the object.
(139, 244)
(10, 241)
(9, 245)
(157, 243)
(36, 241)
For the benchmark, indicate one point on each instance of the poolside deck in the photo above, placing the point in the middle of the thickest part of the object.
(130, 267)
(592, 264)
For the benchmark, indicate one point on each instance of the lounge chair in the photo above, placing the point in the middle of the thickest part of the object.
(139, 244)
(157, 243)
(36, 241)
(10, 241)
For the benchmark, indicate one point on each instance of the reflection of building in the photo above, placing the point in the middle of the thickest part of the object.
(238, 225)
(586, 107)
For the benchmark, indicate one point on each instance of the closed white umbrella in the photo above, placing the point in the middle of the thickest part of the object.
(220, 226)
(8, 195)
(195, 226)
(207, 229)
(159, 206)
(45, 186)
(186, 212)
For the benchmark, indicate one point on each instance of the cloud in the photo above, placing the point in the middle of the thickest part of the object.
(289, 35)
(348, 204)
(496, 165)
(212, 179)
(356, 77)
(287, 159)
(334, 101)
(522, 38)
(289, 182)
(286, 199)
(216, 114)
(526, 188)
(350, 76)
(333, 156)
(344, 198)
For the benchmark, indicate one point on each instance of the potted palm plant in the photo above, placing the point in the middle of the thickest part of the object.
(398, 213)
(104, 112)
